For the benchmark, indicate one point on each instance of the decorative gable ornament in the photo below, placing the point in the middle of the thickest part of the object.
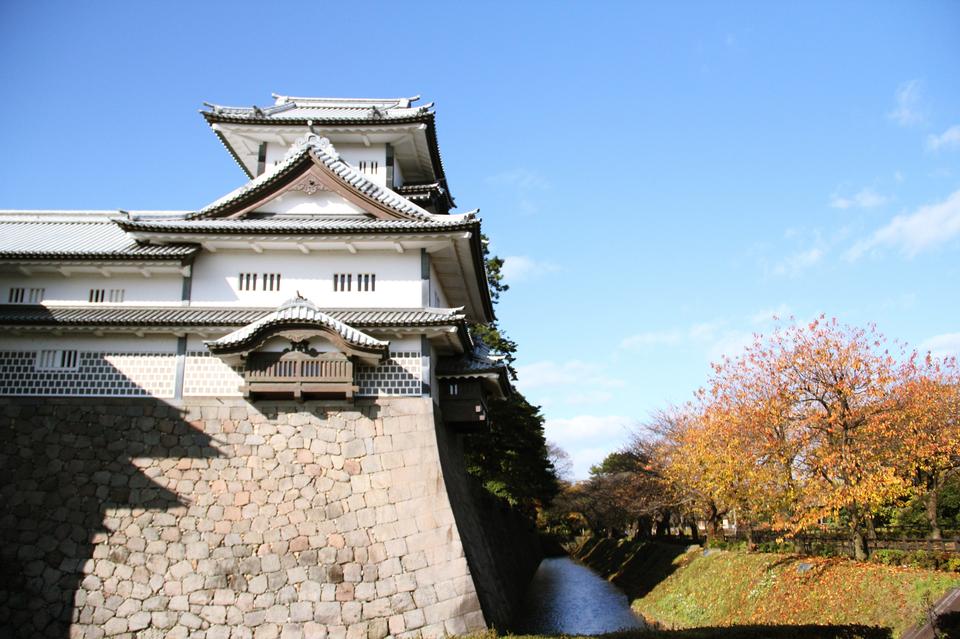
(314, 141)
(308, 184)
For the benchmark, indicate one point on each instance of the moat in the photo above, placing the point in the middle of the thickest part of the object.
(566, 597)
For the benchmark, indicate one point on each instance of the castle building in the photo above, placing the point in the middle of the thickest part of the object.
(336, 270)
(246, 420)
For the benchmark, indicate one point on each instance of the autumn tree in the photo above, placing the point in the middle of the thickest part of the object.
(930, 428)
(819, 402)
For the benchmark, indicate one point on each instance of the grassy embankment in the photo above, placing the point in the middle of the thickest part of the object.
(768, 595)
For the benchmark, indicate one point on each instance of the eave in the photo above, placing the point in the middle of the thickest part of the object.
(427, 118)
(446, 326)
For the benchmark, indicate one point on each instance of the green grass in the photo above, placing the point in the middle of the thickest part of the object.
(739, 588)
(737, 632)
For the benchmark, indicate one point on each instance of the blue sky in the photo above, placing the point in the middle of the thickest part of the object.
(661, 177)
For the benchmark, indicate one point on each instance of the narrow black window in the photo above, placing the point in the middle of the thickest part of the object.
(343, 282)
(390, 179)
(97, 295)
(262, 158)
(16, 296)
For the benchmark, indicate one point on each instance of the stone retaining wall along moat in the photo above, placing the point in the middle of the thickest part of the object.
(219, 519)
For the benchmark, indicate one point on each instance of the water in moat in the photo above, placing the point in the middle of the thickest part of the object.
(566, 597)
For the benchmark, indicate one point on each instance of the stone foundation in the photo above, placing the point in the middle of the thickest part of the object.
(223, 519)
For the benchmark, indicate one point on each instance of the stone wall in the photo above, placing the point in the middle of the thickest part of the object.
(501, 543)
(217, 518)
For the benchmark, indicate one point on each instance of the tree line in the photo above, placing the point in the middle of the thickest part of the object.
(818, 426)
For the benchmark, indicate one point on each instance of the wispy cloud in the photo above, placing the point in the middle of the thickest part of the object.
(517, 268)
(589, 438)
(550, 374)
(715, 339)
(799, 261)
(781, 311)
(926, 228)
(949, 139)
(946, 345)
(653, 338)
(908, 109)
(522, 179)
(527, 184)
(865, 198)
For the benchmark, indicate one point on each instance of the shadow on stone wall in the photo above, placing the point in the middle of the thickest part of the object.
(501, 544)
(65, 464)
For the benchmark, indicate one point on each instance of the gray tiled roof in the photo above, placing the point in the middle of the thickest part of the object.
(298, 225)
(58, 236)
(295, 312)
(476, 362)
(325, 109)
(187, 316)
(323, 152)
(299, 111)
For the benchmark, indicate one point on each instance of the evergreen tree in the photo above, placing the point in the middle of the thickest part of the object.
(511, 456)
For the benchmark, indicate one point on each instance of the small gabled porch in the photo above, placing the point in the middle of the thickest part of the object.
(299, 371)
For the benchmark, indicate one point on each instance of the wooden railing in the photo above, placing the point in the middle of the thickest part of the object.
(295, 374)
(842, 544)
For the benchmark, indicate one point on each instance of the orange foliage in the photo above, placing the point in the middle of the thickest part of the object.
(814, 421)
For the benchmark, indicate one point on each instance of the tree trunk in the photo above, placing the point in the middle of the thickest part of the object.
(859, 545)
(859, 539)
(933, 499)
(694, 533)
(713, 522)
(871, 529)
(663, 525)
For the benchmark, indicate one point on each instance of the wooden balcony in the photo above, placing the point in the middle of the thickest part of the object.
(299, 375)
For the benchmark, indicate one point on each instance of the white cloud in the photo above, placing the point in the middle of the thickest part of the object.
(907, 111)
(589, 438)
(949, 139)
(526, 184)
(795, 263)
(523, 179)
(782, 311)
(866, 198)
(652, 338)
(946, 345)
(730, 344)
(927, 227)
(714, 338)
(517, 268)
(588, 397)
(548, 374)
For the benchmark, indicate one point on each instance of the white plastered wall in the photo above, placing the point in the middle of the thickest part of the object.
(398, 278)
(76, 288)
(437, 297)
(352, 154)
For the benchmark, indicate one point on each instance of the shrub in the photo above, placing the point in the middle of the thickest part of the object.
(719, 543)
(776, 546)
(889, 557)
